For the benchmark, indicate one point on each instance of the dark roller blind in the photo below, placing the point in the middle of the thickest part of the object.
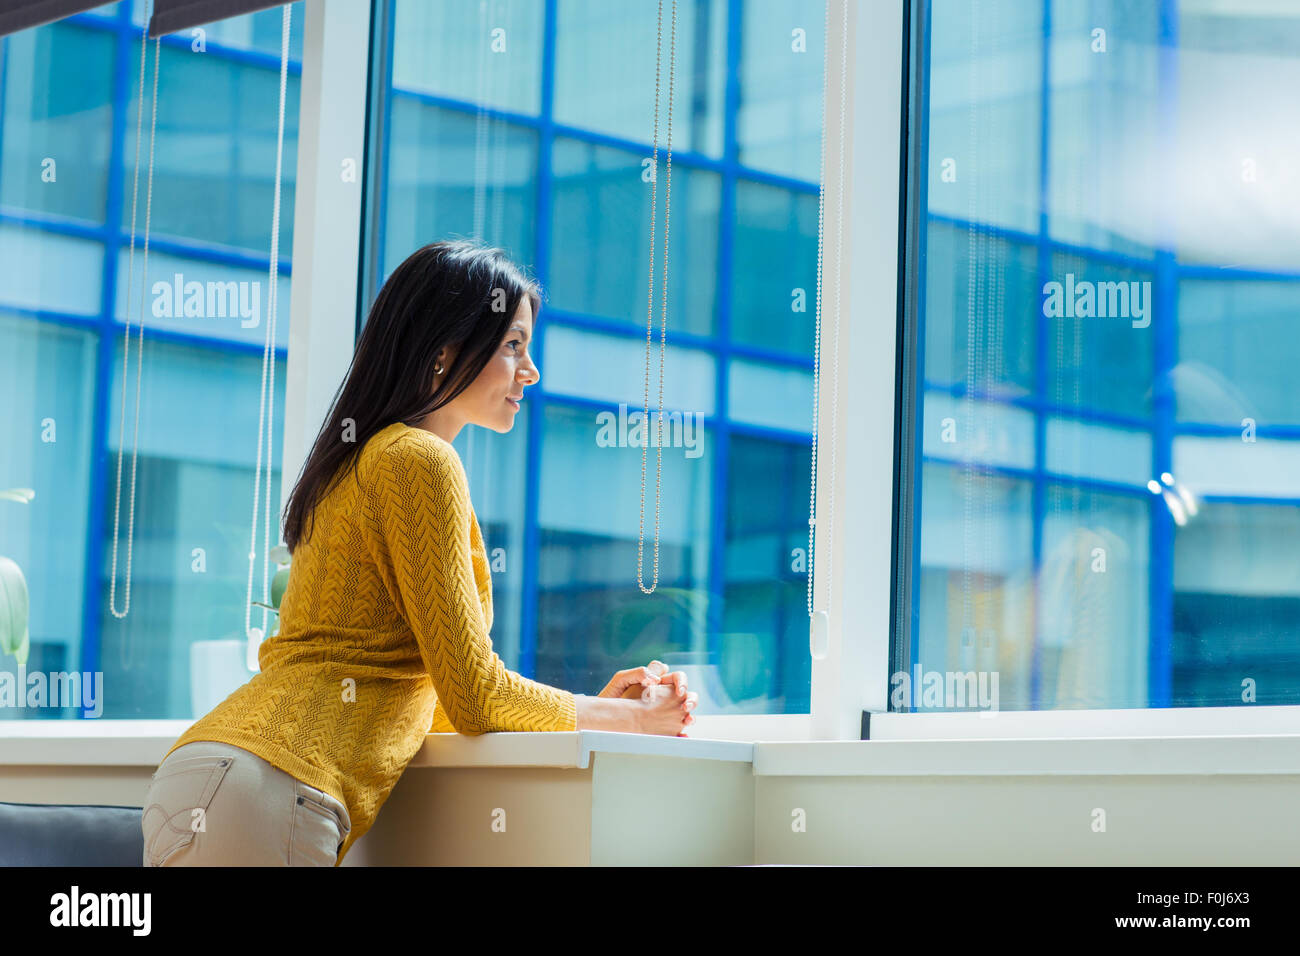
(18, 15)
(170, 16)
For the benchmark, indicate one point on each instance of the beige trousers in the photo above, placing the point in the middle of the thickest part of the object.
(213, 804)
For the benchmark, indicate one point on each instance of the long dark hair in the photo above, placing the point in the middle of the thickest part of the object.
(447, 293)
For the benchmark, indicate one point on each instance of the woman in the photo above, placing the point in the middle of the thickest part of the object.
(384, 625)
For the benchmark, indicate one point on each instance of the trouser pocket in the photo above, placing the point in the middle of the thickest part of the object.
(320, 827)
(177, 805)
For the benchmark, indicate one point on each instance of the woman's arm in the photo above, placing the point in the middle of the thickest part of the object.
(419, 514)
(603, 713)
(663, 713)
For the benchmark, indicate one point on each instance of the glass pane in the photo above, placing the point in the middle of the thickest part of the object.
(58, 113)
(1236, 600)
(982, 112)
(609, 368)
(1101, 275)
(602, 216)
(42, 270)
(1002, 352)
(774, 288)
(454, 174)
(778, 125)
(205, 299)
(70, 93)
(975, 581)
(772, 396)
(214, 149)
(592, 617)
(1223, 377)
(763, 646)
(496, 465)
(48, 375)
(1097, 355)
(1103, 156)
(193, 499)
(605, 72)
(473, 147)
(487, 54)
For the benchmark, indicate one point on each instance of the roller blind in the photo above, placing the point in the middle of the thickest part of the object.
(171, 16)
(18, 15)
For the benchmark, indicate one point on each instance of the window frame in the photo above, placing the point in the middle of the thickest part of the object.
(1046, 724)
(371, 44)
(330, 274)
(860, 546)
(867, 525)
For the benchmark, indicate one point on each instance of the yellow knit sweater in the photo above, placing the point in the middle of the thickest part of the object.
(383, 635)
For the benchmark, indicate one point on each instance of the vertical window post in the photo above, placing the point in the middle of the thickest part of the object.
(854, 675)
(327, 220)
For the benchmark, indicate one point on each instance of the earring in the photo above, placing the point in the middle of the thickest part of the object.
(438, 370)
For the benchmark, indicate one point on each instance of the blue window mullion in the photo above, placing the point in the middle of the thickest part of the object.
(529, 598)
(1044, 266)
(717, 574)
(1164, 356)
(97, 544)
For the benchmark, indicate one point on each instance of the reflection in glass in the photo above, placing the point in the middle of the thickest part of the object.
(1101, 290)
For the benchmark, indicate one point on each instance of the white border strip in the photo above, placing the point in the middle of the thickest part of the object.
(326, 223)
(854, 675)
(1081, 757)
(1248, 719)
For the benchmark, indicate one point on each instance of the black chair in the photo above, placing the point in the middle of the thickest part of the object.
(37, 834)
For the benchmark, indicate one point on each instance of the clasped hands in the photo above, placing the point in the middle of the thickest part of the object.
(653, 684)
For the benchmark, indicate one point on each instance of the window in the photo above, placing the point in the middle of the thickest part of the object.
(67, 152)
(530, 127)
(1098, 480)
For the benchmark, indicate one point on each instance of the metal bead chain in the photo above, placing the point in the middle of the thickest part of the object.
(266, 394)
(813, 520)
(663, 327)
(126, 350)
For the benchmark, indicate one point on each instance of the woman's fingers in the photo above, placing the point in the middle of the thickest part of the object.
(637, 676)
(650, 675)
(678, 681)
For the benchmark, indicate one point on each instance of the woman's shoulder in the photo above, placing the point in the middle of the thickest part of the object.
(401, 447)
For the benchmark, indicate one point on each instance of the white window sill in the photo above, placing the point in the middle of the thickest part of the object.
(134, 743)
(143, 744)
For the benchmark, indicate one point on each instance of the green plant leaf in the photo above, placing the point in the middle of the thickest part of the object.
(14, 609)
(278, 585)
(279, 554)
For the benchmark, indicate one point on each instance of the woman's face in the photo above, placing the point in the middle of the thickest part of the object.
(492, 399)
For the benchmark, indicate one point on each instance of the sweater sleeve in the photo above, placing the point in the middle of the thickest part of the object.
(419, 499)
